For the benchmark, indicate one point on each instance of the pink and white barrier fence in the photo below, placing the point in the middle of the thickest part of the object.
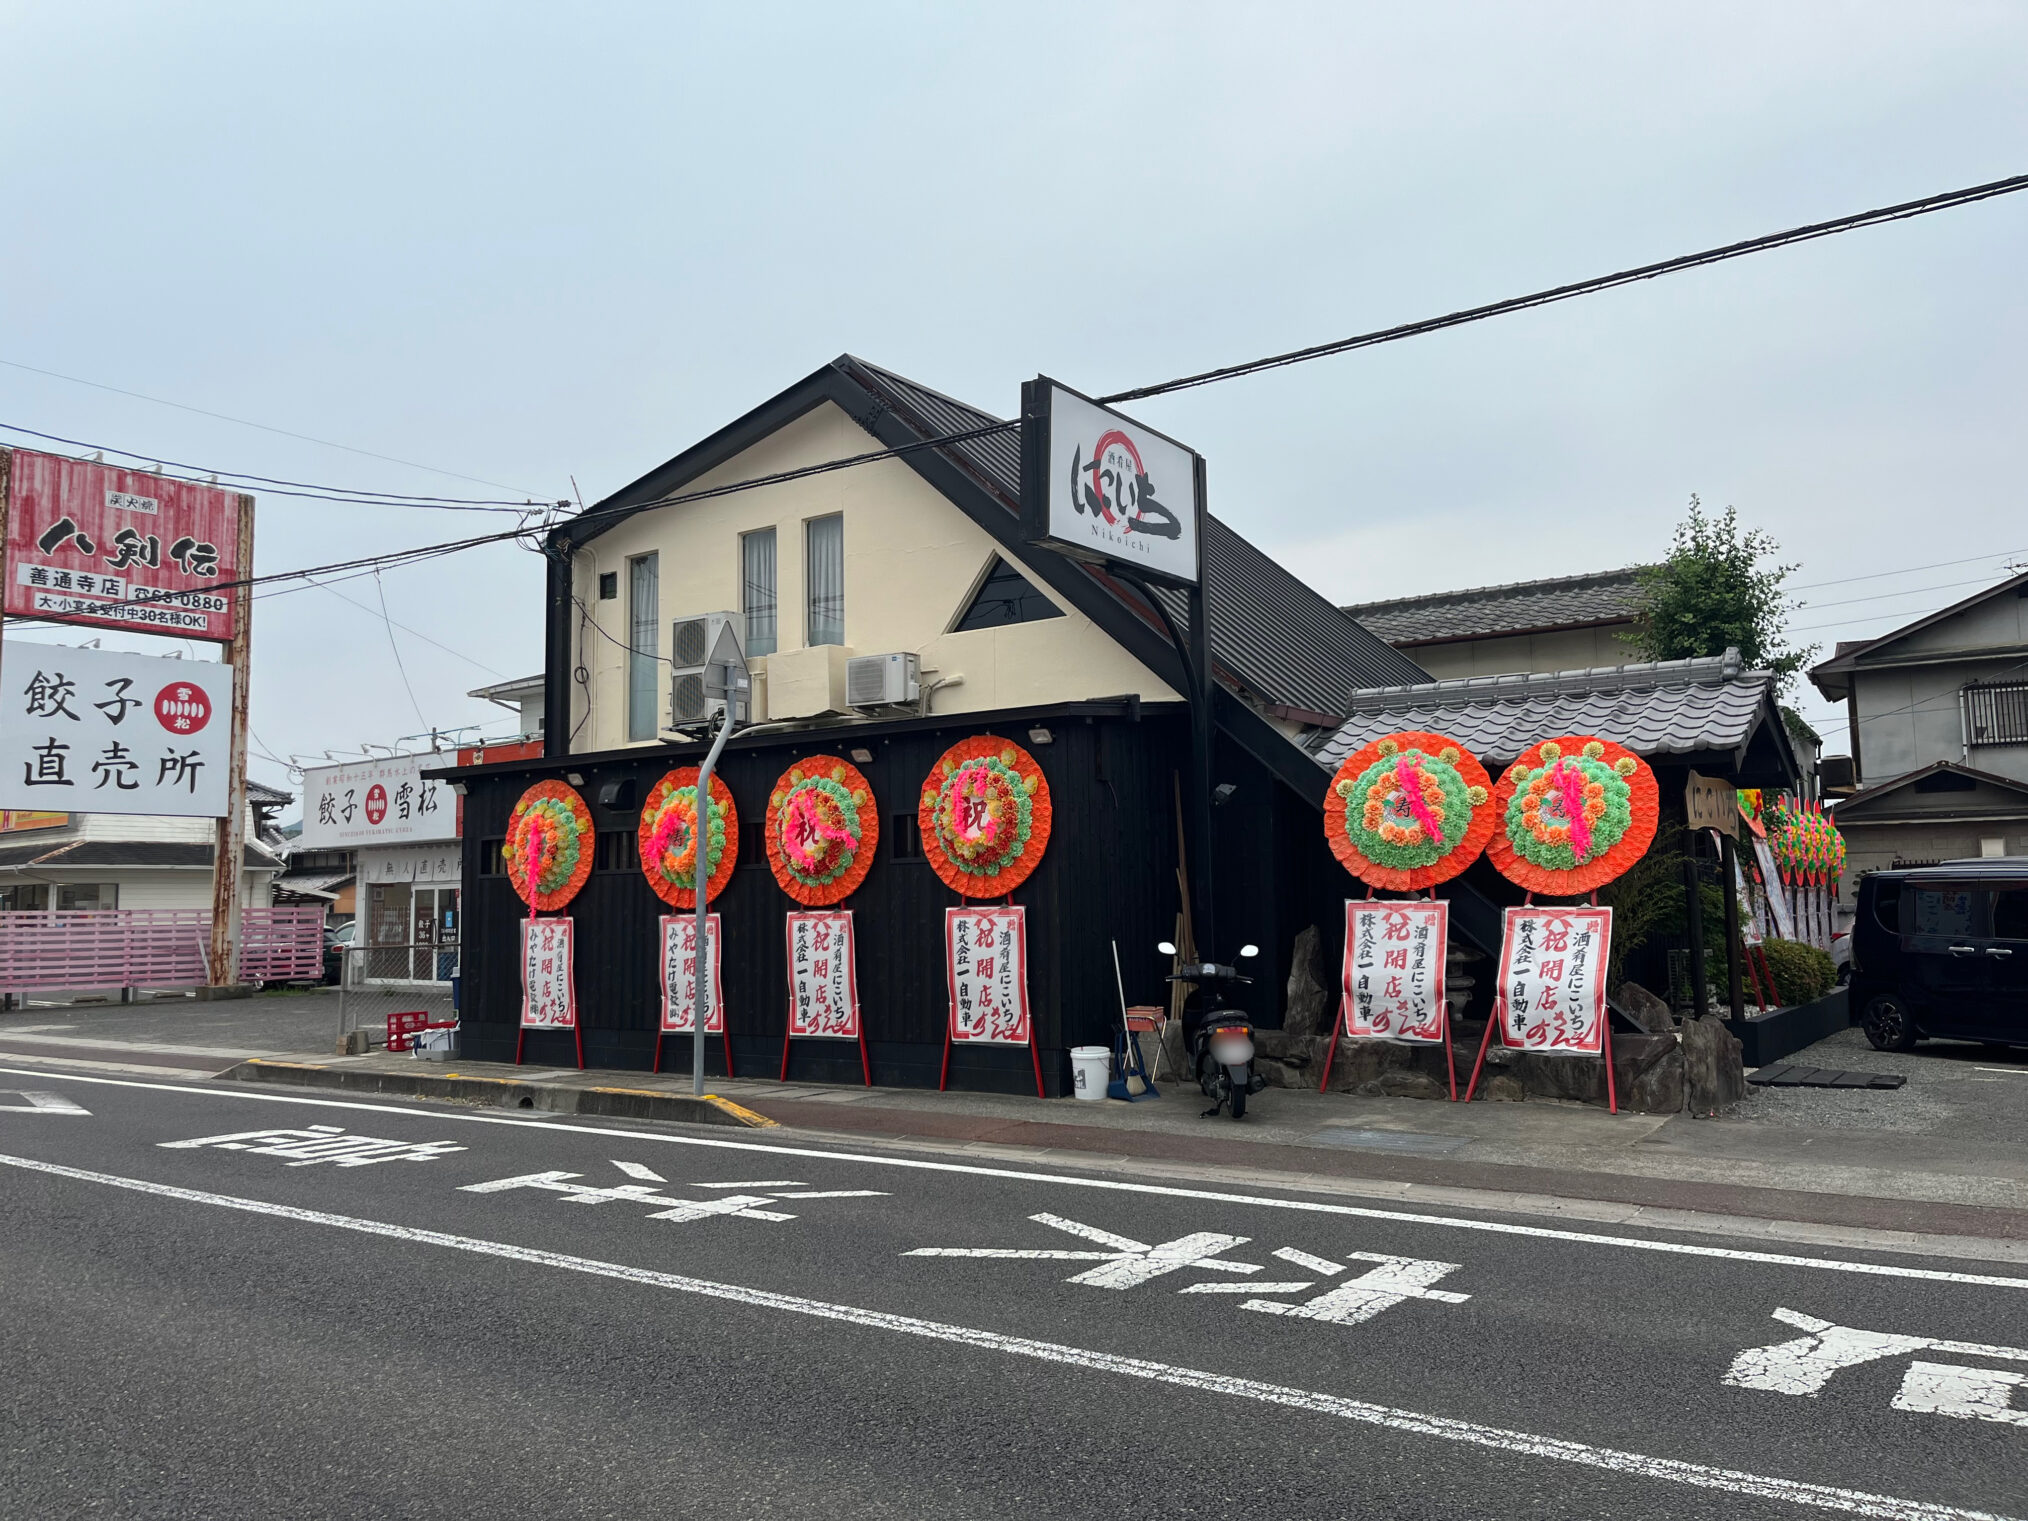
(152, 947)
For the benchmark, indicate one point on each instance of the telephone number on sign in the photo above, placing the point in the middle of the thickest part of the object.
(125, 612)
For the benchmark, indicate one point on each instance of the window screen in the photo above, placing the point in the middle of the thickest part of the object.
(641, 638)
(825, 547)
(757, 590)
(1005, 596)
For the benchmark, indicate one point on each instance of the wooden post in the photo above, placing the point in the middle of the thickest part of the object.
(1693, 911)
(228, 847)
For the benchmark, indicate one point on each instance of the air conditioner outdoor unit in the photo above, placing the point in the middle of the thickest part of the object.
(707, 661)
(876, 681)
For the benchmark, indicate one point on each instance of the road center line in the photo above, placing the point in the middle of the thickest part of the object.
(1470, 1433)
(1108, 1185)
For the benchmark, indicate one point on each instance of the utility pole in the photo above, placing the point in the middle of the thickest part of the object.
(228, 848)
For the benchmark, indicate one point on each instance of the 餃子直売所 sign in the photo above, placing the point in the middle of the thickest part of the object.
(1098, 485)
(102, 731)
(114, 548)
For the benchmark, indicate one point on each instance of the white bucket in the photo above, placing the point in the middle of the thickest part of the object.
(1090, 1066)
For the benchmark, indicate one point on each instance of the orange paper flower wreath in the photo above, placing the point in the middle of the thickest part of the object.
(1573, 813)
(552, 828)
(1386, 836)
(822, 830)
(668, 834)
(984, 816)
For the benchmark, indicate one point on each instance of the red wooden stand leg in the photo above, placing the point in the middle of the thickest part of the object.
(657, 1067)
(785, 1057)
(1473, 1086)
(1612, 1091)
(1035, 1056)
(1450, 1056)
(578, 1031)
(944, 1077)
(865, 1058)
(726, 1036)
(1337, 1028)
(520, 1040)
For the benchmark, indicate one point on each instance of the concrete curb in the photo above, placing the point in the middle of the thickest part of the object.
(505, 1093)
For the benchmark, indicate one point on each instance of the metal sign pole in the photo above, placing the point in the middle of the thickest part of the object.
(228, 847)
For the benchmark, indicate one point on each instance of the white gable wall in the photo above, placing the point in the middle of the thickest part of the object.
(911, 560)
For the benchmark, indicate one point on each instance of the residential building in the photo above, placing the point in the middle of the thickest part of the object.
(111, 860)
(1563, 623)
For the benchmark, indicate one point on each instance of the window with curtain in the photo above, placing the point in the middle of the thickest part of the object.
(642, 623)
(824, 540)
(757, 593)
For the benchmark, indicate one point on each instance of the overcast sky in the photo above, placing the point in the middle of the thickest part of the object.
(525, 245)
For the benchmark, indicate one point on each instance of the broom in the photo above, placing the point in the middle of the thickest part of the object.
(1130, 1078)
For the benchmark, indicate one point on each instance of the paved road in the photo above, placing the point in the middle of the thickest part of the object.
(226, 1302)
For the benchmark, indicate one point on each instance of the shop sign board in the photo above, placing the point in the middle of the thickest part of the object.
(679, 976)
(104, 731)
(1552, 992)
(823, 977)
(548, 988)
(412, 863)
(1711, 802)
(20, 820)
(94, 544)
(375, 802)
(1097, 485)
(986, 959)
(1394, 970)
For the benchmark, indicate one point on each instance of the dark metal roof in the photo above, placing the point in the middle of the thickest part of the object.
(1518, 607)
(1662, 708)
(1270, 632)
(108, 853)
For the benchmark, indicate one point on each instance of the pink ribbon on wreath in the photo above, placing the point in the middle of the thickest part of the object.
(1411, 789)
(1570, 783)
(532, 842)
(807, 819)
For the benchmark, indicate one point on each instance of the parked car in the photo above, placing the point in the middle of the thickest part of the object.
(338, 939)
(1942, 951)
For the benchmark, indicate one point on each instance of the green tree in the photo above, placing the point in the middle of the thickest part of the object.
(1713, 593)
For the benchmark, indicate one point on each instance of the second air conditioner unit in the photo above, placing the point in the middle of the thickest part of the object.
(701, 642)
(879, 681)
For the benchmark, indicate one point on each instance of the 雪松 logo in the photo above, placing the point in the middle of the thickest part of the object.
(1113, 486)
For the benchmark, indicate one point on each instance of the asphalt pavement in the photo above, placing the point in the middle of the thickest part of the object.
(230, 1302)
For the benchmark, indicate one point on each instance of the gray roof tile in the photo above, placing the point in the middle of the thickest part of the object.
(1517, 607)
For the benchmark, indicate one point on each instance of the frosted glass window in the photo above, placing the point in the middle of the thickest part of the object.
(757, 590)
(824, 540)
(642, 628)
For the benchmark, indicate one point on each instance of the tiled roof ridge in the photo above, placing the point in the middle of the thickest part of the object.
(1501, 591)
(1705, 670)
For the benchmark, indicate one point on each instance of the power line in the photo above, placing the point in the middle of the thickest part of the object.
(1909, 570)
(263, 427)
(426, 639)
(1906, 209)
(1913, 591)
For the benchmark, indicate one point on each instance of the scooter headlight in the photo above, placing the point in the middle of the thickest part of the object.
(1231, 1048)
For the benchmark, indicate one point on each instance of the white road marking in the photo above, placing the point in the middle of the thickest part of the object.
(1803, 1366)
(764, 1183)
(640, 1170)
(837, 1193)
(319, 1143)
(1247, 1288)
(1411, 1422)
(1128, 1265)
(1112, 1185)
(1972, 1394)
(1322, 1265)
(1379, 1288)
(682, 1211)
(2010, 1071)
(40, 1103)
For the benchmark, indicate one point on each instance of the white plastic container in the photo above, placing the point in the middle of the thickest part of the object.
(1090, 1066)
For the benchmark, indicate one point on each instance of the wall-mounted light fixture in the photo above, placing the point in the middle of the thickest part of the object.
(1039, 736)
(861, 757)
(575, 778)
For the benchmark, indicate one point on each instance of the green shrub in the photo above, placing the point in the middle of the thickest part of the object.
(1801, 972)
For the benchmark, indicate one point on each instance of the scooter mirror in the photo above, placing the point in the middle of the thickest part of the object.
(1165, 948)
(1248, 951)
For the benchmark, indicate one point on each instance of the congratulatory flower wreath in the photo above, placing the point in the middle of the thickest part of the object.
(984, 816)
(1575, 813)
(668, 839)
(549, 840)
(1808, 847)
(1408, 811)
(822, 830)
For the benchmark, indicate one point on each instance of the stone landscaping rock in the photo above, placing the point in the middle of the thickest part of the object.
(1307, 1012)
(1644, 1008)
(1505, 1089)
(1714, 1077)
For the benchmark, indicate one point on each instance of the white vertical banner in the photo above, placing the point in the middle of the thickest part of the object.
(1552, 993)
(823, 977)
(679, 976)
(548, 988)
(1777, 894)
(986, 957)
(1393, 982)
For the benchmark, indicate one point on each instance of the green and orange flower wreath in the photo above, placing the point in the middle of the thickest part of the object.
(668, 839)
(822, 830)
(984, 816)
(549, 838)
(1574, 813)
(1408, 811)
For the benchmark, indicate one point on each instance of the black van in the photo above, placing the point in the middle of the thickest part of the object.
(1943, 951)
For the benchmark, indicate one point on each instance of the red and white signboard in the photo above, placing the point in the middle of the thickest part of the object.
(823, 980)
(548, 990)
(375, 802)
(986, 957)
(1394, 970)
(103, 731)
(1552, 979)
(679, 976)
(118, 548)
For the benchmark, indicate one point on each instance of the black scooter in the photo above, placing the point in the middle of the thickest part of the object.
(1219, 1039)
